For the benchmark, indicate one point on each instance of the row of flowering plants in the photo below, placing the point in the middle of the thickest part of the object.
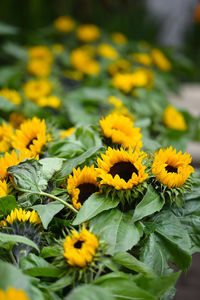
(94, 201)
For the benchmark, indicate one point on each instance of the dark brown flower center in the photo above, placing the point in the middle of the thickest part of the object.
(78, 244)
(31, 143)
(124, 169)
(86, 190)
(171, 169)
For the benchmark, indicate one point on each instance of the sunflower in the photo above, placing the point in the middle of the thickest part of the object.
(16, 119)
(3, 188)
(49, 101)
(120, 130)
(64, 24)
(80, 248)
(120, 169)
(34, 89)
(31, 136)
(67, 133)
(160, 60)
(170, 168)
(38, 67)
(88, 33)
(25, 223)
(119, 38)
(12, 294)
(107, 51)
(6, 132)
(82, 184)
(119, 66)
(11, 95)
(83, 62)
(173, 119)
(142, 58)
(41, 53)
(119, 107)
(12, 159)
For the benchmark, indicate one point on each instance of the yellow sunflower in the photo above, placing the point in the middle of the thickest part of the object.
(38, 67)
(107, 51)
(80, 248)
(120, 130)
(49, 101)
(16, 119)
(142, 58)
(22, 215)
(160, 60)
(41, 53)
(121, 169)
(31, 136)
(6, 132)
(119, 66)
(64, 24)
(82, 184)
(119, 107)
(83, 62)
(3, 188)
(12, 95)
(88, 33)
(35, 89)
(173, 119)
(171, 168)
(13, 159)
(119, 38)
(13, 294)
(67, 133)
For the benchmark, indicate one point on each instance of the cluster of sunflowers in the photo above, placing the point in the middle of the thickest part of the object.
(95, 201)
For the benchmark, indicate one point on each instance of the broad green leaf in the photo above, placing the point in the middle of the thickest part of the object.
(15, 50)
(50, 166)
(6, 29)
(117, 230)
(7, 204)
(89, 292)
(43, 272)
(12, 238)
(6, 105)
(192, 226)
(122, 288)
(159, 285)
(72, 163)
(48, 211)
(130, 262)
(93, 206)
(150, 204)
(60, 283)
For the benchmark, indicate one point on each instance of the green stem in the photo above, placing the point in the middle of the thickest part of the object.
(13, 258)
(50, 196)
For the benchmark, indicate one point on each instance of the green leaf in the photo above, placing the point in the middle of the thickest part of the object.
(122, 288)
(6, 29)
(7, 204)
(117, 230)
(12, 238)
(89, 292)
(43, 272)
(15, 50)
(150, 204)
(60, 283)
(93, 206)
(48, 211)
(50, 166)
(6, 105)
(158, 286)
(72, 163)
(130, 262)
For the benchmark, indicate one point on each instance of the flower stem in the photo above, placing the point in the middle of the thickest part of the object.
(50, 196)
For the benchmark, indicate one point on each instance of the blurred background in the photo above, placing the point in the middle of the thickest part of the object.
(173, 23)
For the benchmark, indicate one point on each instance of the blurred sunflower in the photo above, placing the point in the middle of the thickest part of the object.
(88, 33)
(11, 95)
(119, 66)
(119, 38)
(67, 133)
(13, 159)
(82, 184)
(6, 132)
(160, 60)
(80, 248)
(107, 51)
(16, 119)
(38, 67)
(64, 24)
(84, 62)
(41, 53)
(49, 101)
(12, 294)
(120, 130)
(120, 169)
(3, 188)
(170, 168)
(173, 119)
(31, 136)
(142, 58)
(35, 89)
